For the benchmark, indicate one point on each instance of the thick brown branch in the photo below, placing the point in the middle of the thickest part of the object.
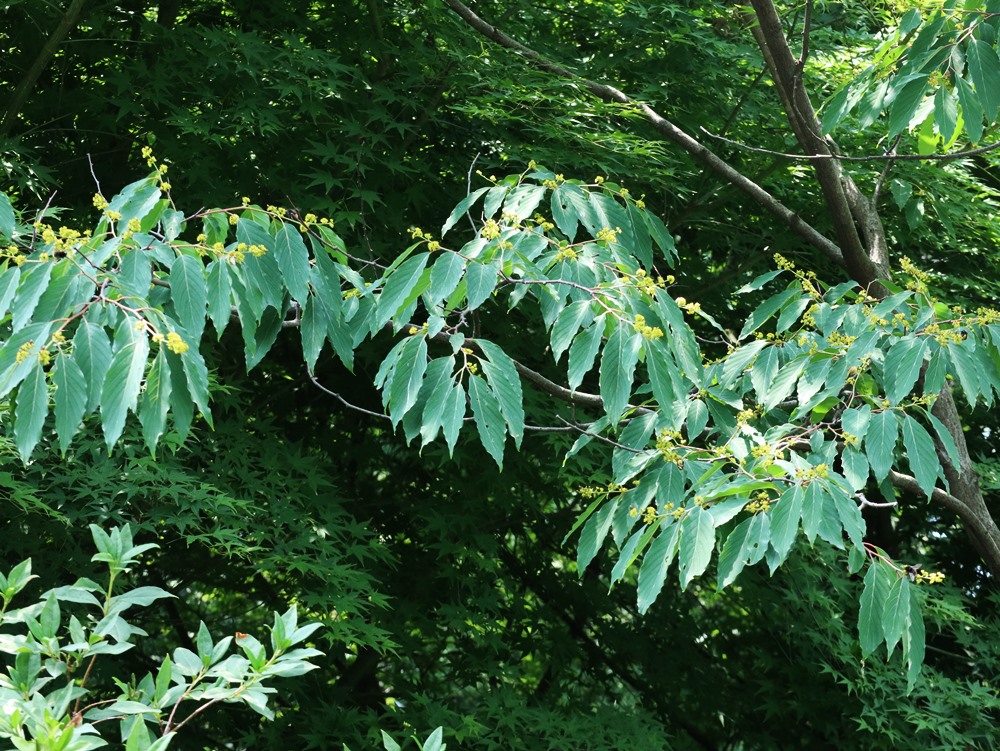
(45, 54)
(665, 128)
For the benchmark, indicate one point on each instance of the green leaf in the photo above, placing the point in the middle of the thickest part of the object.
(569, 203)
(697, 541)
(438, 385)
(196, 375)
(631, 550)
(785, 518)
(871, 630)
(745, 545)
(219, 291)
(488, 417)
(70, 399)
(155, 400)
(7, 220)
(135, 275)
(64, 296)
(984, 72)
(92, 354)
(855, 468)
(902, 366)
(481, 281)
(583, 352)
(880, 442)
(313, 327)
(403, 387)
(945, 438)
(123, 380)
(972, 110)
(621, 353)
(293, 260)
(189, 293)
(784, 382)
(896, 612)
(398, 287)
(33, 283)
(593, 534)
(454, 415)
(445, 276)
(768, 308)
(463, 206)
(945, 112)
(908, 99)
(32, 408)
(655, 564)
(850, 518)
(920, 454)
(505, 383)
(523, 200)
(567, 325)
(9, 280)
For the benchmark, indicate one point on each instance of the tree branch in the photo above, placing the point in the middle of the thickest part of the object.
(41, 61)
(665, 128)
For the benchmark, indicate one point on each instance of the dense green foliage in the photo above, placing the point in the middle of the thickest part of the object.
(310, 405)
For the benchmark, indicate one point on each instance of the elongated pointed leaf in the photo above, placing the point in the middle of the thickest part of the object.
(6, 217)
(32, 408)
(398, 287)
(902, 366)
(655, 564)
(506, 386)
(155, 400)
(70, 399)
(293, 260)
(488, 417)
(445, 276)
(871, 629)
(621, 353)
(123, 380)
(880, 442)
(785, 516)
(697, 541)
(984, 72)
(463, 206)
(34, 281)
(92, 354)
(219, 291)
(583, 352)
(920, 454)
(189, 293)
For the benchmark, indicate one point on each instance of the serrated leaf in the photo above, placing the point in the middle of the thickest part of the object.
(481, 281)
(313, 328)
(7, 220)
(568, 324)
(621, 353)
(505, 383)
(445, 276)
(70, 399)
(92, 354)
(155, 400)
(902, 366)
(219, 292)
(189, 293)
(123, 380)
(33, 283)
(945, 438)
(697, 541)
(984, 71)
(763, 312)
(583, 352)
(896, 612)
(463, 207)
(784, 382)
(972, 110)
(593, 534)
(398, 287)
(568, 203)
(292, 257)
(914, 639)
(920, 454)
(488, 417)
(880, 442)
(785, 517)
(9, 280)
(871, 631)
(908, 99)
(945, 112)
(655, 564)
(30, 412)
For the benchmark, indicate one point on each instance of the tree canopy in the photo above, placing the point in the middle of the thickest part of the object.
(592, 374)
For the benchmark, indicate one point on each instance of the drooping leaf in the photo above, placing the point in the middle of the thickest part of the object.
(155, 401)
(70, 399)
(621, 353)
(488, 417)
(920, 454)
(501, 373)
(31, 410)
(655, 564)
(120, 391)
(293, 260)
(880, 442)
(697, 541)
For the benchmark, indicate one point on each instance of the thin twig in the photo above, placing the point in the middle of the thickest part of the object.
(871, 158)
(343, 401)
(93, 175)
(885, 172)
(600, 437)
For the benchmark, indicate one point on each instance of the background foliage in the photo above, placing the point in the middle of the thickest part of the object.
(447, 591)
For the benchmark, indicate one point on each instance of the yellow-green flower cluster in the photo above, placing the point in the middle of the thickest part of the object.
(929, 577)
(761, 503)
(608, 235)
(647, 332)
